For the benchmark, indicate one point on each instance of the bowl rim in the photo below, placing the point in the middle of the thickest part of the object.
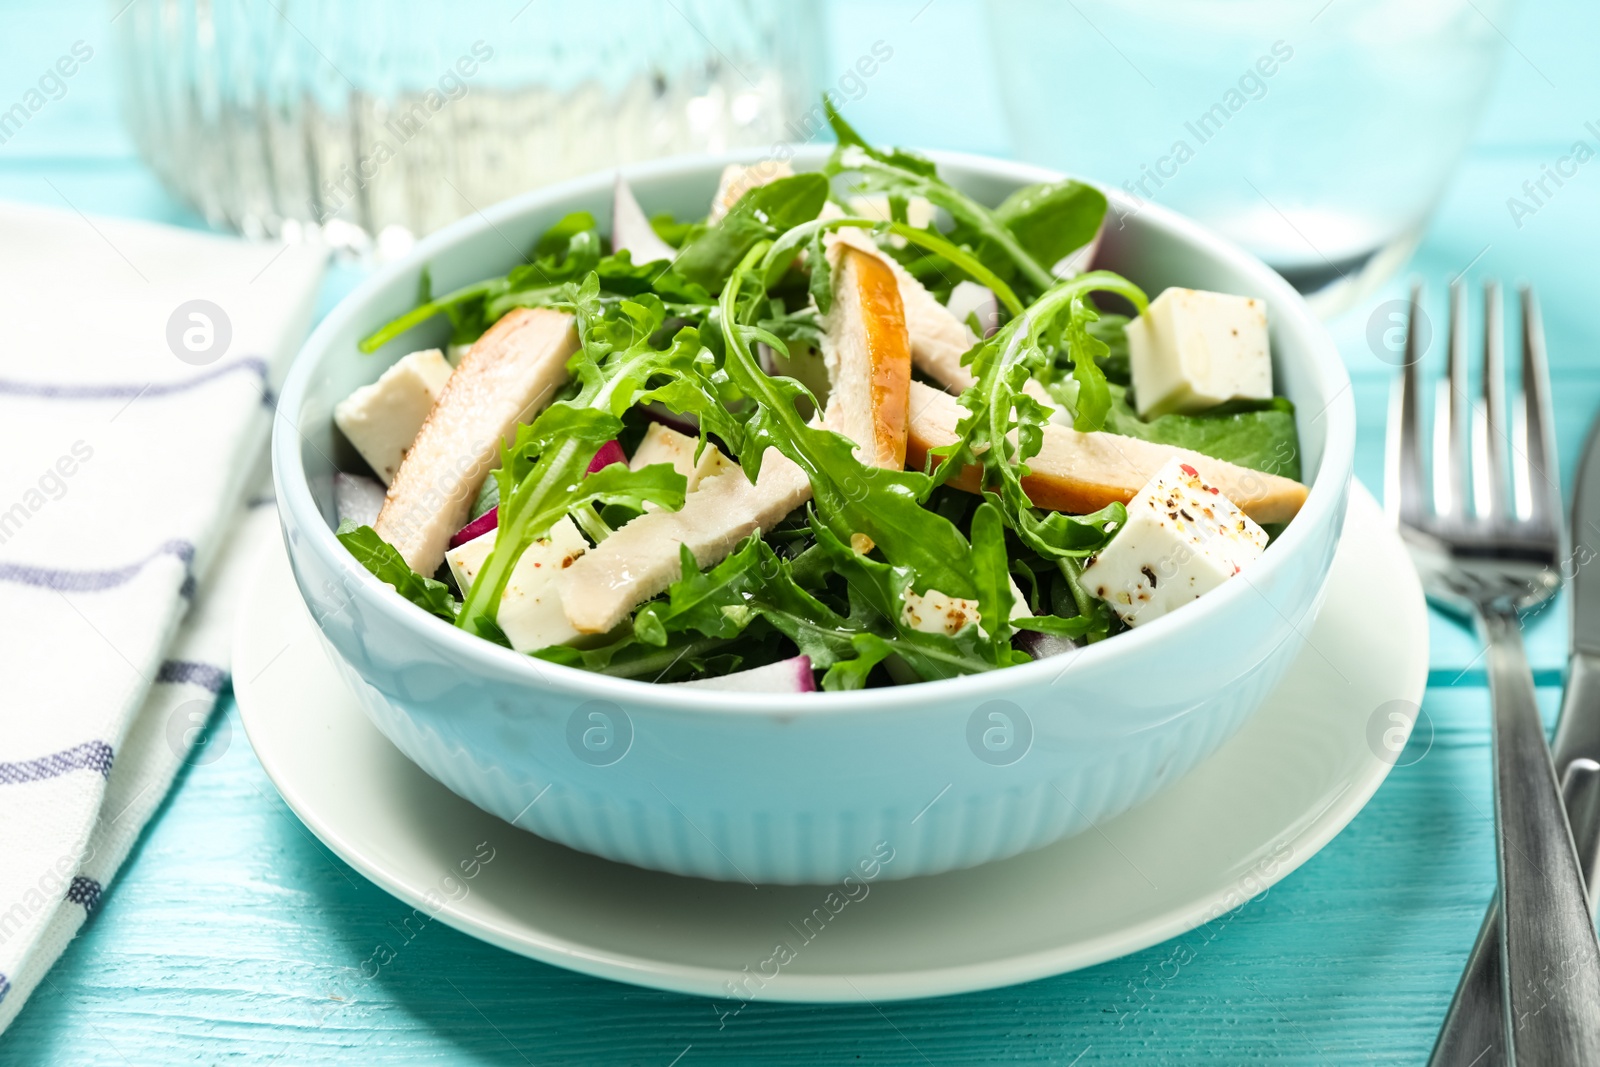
(293, 489)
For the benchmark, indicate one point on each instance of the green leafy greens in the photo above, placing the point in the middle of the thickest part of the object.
(835, 582)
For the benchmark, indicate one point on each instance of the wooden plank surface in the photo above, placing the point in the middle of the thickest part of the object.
(232, 936)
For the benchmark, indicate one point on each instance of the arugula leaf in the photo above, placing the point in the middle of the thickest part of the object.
(1092, 400)
(714, 602)
(1259, 434)
(670, 229)
(905, 174)
(764, 211)
(575, 237)
(542, 473)
(991, 567)
(1097, 612)
(386, 564)
(876, 594)
(754, 583)
(566, 253)
(885, 505)
(1004, 427)
(1073, 626)
(810, 236)
(621, 275)
(897, 158)
(870, 650)
(1111, 331)
(1053, 219)
(684, 656)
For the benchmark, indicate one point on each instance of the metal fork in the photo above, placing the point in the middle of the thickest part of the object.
(1488, 549)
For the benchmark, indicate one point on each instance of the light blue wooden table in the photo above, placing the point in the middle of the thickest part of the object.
(231, 928)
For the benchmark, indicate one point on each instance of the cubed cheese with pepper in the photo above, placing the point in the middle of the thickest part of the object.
(382, 419)
(1183, 538)
(934, 612)
(1192, 350)
(531, 614)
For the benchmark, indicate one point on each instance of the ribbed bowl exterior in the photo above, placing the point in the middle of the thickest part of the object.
(688, 829)
(805, 789)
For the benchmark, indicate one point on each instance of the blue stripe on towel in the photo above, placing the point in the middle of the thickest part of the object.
(5, 986)
(89, 756)
(66, 580)
(85, 891)
(125, 390)
(181, 671)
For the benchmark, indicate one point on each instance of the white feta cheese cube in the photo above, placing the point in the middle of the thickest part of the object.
(662, 444)
(1183, 538)
(531, 613)
(382, 419)
(934, 612)
(1193, 350)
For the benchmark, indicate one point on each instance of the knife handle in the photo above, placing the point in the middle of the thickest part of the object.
(1578, 730)
(1474, 1030)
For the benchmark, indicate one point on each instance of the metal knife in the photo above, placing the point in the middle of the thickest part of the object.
(1473, 1032)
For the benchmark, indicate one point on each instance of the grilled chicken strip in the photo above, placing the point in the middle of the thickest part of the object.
(869, 360)
(868, 356)
(938, 338)
(507, 377)
(1083, 472)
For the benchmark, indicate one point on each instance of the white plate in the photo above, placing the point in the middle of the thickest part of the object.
(1264, 804)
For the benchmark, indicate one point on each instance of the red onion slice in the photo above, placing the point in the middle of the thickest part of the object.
(479, 526)
(786, 676)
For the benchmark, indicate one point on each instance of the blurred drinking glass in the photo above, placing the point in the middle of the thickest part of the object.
(367, 124)
(1317, 134)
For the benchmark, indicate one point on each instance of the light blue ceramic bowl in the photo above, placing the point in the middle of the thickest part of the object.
(808, 788)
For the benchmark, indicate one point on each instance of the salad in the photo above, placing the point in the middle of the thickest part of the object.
(850, 429)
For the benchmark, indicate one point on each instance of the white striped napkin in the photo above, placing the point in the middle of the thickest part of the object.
(131, 432)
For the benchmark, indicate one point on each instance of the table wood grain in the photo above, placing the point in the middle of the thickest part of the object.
(233, 936)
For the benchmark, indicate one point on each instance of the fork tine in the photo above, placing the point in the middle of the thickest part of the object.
(1404, 490)
(1489, 457)
(1538, 480)
(1453, 492)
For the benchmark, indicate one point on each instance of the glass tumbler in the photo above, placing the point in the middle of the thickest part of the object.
(1317, 134)
(367, 124)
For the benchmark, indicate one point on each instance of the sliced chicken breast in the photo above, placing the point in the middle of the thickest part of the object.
(507, 377)
(1083, 472)
(868, 356)
(642, 559)
(938, 338)
(869, 362)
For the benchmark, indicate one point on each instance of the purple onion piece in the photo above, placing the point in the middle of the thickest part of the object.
(1042, 646)
(786, 676)
(610, 452)
(479, 526)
